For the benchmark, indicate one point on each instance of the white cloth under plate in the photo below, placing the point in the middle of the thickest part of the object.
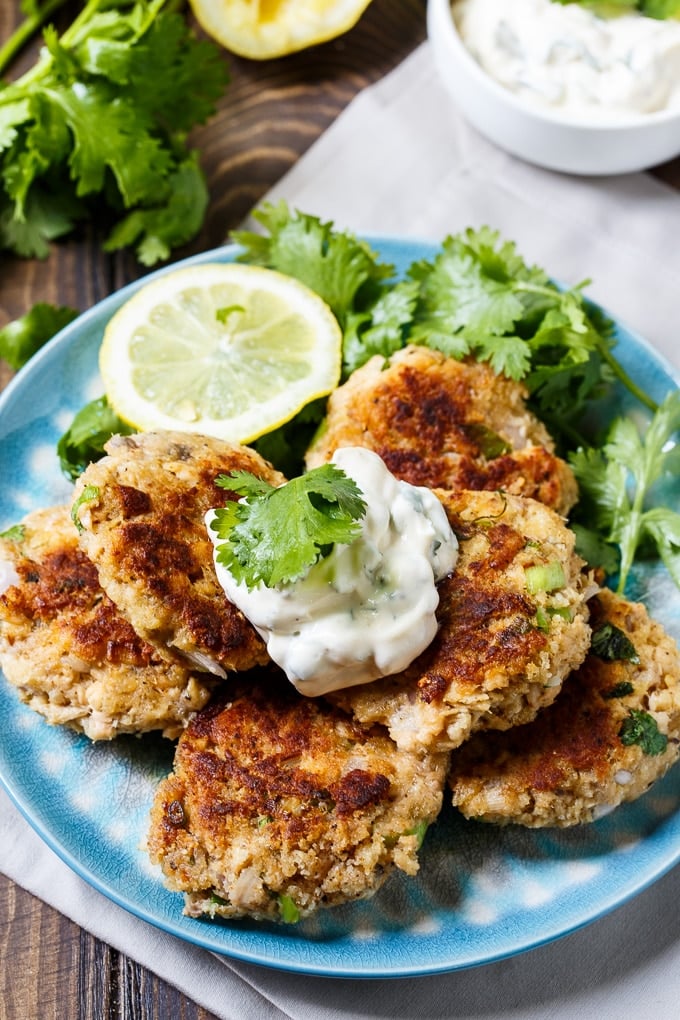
(401, 160)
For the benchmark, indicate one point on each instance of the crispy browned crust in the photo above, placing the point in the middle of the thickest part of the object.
(145, 531)
(493, 663)
(68, 650)
(276, 794)
(431, 419)
(570, 765)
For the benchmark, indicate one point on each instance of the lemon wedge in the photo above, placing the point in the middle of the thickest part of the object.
(261, 29)
(224, 349)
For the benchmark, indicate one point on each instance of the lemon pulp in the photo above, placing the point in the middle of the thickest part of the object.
(224, 349)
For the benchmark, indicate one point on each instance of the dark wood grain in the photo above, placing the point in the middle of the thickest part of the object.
(272, 112)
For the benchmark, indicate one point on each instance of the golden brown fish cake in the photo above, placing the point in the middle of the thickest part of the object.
(446, 424)
(143, 527)
(502, 650)
(71, 655)
(279, 804)
(575, 762)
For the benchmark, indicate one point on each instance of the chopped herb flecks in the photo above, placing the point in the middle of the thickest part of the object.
(621, 690)
(610, 643)
(641, 728)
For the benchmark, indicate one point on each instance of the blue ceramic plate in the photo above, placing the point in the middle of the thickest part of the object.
(483, 893)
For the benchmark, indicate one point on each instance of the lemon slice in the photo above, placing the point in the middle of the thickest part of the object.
(261, 29)
(224, 349)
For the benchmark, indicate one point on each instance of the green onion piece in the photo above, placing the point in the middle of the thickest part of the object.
(545, 577)
(418, 831)
(288, 909)
(489, 442)
(89, 493)
(544, 616)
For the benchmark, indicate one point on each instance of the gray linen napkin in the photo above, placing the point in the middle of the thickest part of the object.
(402, 161)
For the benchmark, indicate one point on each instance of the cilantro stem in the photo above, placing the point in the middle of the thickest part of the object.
(28, 28)
(628, 541)
(623, 377)
(23, 34)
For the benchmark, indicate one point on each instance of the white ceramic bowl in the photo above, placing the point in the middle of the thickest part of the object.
(553, 141)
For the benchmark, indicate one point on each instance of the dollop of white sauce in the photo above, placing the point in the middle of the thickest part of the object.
(569, 60)
(368, 608)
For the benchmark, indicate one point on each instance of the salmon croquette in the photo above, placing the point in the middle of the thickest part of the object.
(613, 731)
(141, 510)
(279, 804)
(71, 655)
(513, 623)
(446, 424)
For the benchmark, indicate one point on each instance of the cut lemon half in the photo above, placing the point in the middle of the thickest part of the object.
(261, 29)
(224, 349)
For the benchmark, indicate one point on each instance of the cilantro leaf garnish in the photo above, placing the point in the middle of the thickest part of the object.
(20, 339)
(479, 297)
(380, 329)
(616, 483)
(641, 728)
(275, 535)
(83, 442)
(98, 127)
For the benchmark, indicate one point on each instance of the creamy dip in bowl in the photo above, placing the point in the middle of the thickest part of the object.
(560, 86)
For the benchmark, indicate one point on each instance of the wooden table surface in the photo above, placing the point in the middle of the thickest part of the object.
(271, 113)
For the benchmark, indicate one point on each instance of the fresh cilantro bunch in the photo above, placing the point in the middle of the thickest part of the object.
(99, 127)
(650, 8)
(275, 535)
(616, 482)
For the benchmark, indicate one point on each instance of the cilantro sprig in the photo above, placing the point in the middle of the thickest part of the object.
(477, 297)
(98, 127)
(274, 535)
(616, 482)
(85, 438)
(23, 337)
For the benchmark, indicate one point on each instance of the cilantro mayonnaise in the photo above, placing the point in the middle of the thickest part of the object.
(368, 608)
(571, 61)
